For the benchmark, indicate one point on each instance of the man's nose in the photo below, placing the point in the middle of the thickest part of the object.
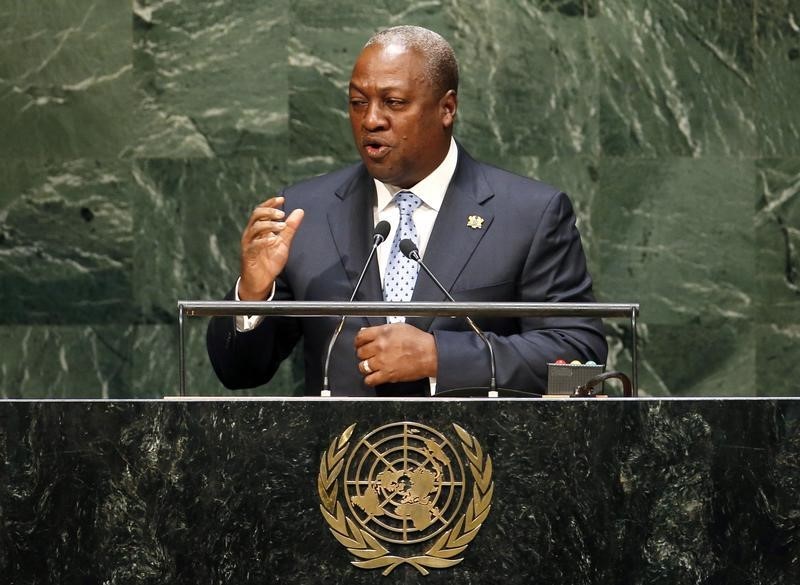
(374, 118)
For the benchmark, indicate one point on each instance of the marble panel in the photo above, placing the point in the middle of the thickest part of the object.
(676, 234)
(528, 79)
(777, 76)
(189, 218)
(777, 366)
(212, 79)
(321, 58)
(65, 78)
(71, 361)
(665, 492)
(709, 357)
(676, 78)
(777, 223)
(65, 241)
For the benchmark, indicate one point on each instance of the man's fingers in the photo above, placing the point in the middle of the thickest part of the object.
(396, 352)
(291, 224)
(367, 334)
(261, 214)
(366, 351)
(276, 201)
(271, 224)
(266, 228)
(374, 374)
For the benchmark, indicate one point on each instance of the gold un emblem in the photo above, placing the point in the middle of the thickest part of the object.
(404, 486)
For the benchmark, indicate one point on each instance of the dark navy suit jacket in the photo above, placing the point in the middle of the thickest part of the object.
(528, 249)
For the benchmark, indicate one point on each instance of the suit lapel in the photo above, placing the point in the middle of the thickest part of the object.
(350, 221)
(452, 241)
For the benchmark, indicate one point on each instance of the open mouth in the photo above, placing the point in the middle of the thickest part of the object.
(375, 149)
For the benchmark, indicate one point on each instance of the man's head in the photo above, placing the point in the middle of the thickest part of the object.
(403, 103)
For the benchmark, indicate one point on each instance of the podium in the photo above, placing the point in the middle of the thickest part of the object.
(228, 491)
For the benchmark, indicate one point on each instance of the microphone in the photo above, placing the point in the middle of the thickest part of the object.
(379, 235)
(410, 250)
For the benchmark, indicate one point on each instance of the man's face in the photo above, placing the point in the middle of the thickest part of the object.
(400, 125)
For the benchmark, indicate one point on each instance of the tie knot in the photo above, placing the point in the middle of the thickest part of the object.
(407, 202)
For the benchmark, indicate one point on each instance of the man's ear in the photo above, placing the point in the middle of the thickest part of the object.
(448, 106)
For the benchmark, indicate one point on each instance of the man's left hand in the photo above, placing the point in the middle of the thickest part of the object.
(395, 352)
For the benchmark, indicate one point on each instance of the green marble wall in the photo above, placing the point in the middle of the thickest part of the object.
(137, 136)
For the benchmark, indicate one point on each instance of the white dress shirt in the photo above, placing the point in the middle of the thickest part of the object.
(430, 190)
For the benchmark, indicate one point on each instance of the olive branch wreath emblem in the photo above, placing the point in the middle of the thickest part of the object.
(360, 543)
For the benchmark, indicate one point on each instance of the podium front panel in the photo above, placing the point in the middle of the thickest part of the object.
(558, 491)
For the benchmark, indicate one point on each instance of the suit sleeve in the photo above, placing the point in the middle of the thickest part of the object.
(554, 271)
(248, 359)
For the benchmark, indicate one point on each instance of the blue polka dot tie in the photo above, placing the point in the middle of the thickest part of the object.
(401, 272)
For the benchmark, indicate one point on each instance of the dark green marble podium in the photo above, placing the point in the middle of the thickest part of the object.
(586, 491)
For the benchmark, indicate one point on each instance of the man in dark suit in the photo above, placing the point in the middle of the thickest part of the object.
(487, 234)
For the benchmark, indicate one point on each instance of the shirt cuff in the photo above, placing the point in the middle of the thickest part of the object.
(245, 323)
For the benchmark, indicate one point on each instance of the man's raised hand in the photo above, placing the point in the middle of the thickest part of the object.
(265, 248)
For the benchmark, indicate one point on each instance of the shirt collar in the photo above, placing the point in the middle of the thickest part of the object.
(431, 189)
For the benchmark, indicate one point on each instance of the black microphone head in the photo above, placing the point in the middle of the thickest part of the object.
(408, 247)
(382, 230)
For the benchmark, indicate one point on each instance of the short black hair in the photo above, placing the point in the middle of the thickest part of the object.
(441, 67)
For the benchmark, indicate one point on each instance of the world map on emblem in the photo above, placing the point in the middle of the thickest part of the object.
(404, 482)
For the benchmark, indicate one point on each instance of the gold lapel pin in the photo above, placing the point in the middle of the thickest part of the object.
(475, 222)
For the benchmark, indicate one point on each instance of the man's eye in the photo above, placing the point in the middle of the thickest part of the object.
(357, 103)
(394, 103)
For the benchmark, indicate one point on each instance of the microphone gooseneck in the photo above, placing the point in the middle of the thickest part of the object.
(410, 250)
(379, 235)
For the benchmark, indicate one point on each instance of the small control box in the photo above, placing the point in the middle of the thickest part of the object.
(563, 378)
